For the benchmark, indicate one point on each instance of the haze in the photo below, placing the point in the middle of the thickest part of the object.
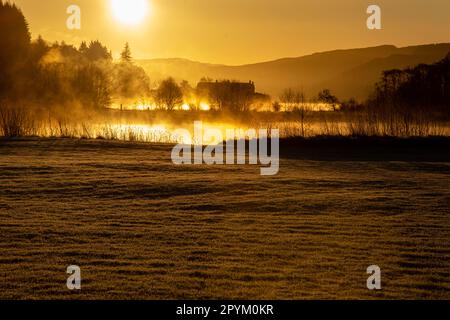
(243, 31)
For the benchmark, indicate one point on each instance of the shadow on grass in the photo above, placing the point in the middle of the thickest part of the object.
(329, 148)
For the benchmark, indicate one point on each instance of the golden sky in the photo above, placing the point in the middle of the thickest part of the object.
(243, 31)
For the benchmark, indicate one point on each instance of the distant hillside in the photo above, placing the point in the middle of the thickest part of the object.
(348, 73)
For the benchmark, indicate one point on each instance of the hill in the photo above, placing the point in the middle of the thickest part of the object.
(349, 73)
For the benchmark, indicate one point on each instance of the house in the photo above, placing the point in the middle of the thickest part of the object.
(230, 95)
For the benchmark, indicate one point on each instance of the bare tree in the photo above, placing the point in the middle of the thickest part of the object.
(287, 99)
(294, 101)
(301, 110)
(169, 94)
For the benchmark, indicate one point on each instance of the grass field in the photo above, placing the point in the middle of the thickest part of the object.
(140, 227)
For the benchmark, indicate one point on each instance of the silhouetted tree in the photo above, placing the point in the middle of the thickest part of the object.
(351, 105)
(294, 101)
(301, 110)
(14, 47)
(39, 49)
(287, 99)
(169, 94)
(92, 86)
(406, 100)
(276, 106)
(130, 81)
(125, 56)
(96, 51)
(83, 48)
(325, 96)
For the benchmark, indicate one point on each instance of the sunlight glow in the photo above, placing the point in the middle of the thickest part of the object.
(143, 107)
(130, 12)
(204, 106)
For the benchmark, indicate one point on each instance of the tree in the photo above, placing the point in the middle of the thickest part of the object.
(276, 106)
(38, 49)
(188, 91)
(92, 86)
(125, 56)
(130, 81)
(405, 101)
(15, 42)
(294, 101)
(287, 98)
(96, 52)
(326, 97)
(301, 110)
(351, 105)
(299, 99)
(83, 48)
(169, 94)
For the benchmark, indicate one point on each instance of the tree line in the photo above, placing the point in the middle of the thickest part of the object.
(59, 74)
(424, 88)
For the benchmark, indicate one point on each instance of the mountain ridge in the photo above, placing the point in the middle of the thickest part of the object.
(347, 72)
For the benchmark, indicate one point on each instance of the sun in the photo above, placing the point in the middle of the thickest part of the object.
(130, 12)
